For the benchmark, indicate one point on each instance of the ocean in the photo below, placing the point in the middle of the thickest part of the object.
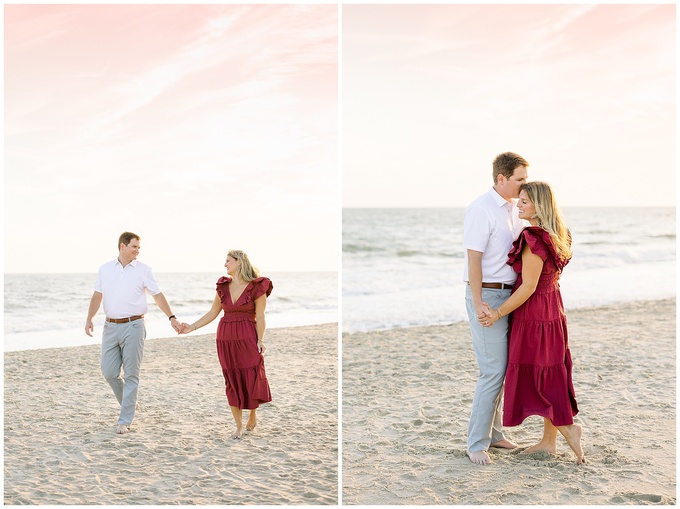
(49, 310)
(404, 267)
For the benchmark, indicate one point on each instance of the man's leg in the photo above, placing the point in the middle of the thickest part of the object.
(491, 349)
(132, 346)
(111, 359)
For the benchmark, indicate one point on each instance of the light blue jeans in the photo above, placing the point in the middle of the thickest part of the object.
(123, 347)
(491, 349)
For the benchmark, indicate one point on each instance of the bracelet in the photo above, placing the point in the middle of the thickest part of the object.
(171, 317)
(195, 327)
(500, 315)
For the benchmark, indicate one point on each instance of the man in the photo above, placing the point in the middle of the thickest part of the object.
(122, 285)
(491, 225)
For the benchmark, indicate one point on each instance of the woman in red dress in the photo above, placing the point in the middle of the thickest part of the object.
(240, 335)
(538, 377)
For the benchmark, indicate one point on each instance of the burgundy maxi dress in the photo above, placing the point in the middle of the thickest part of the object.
(242, 365)
(538, 378)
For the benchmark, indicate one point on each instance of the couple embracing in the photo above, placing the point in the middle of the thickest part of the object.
(516, 245)
(122, 285)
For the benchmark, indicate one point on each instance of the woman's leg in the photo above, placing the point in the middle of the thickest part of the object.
(238, 418)
(549, 441)
(252, 420)
(572, 433)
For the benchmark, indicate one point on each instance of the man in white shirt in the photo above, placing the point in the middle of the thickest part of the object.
(491, 225)
(122, 284)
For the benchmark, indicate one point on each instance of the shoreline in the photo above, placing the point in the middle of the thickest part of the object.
(568, 312)
(62, 338)
(407, 395)
(84, 340)
(60, 422)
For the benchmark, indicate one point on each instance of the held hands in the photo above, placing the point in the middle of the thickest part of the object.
(484, 311)
(489, 317)
(176, 325)
(186, 328)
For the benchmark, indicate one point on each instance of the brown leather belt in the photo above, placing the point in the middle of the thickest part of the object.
(124, 320)
(497, 286)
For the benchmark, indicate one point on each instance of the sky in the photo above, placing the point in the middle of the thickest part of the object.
(432, 93)
(201, 128)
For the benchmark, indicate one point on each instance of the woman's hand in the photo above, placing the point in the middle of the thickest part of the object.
(488, 321)
(186, 328)
(260, 347)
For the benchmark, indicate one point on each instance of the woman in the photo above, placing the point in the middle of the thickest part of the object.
(240, 335)
(538, 377)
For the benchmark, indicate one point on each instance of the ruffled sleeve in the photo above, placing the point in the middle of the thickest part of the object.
(539, 243)
(258, 286)
(261, 286)
(222, 284)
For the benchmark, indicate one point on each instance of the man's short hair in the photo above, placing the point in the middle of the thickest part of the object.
(126, 237)
(505, 165)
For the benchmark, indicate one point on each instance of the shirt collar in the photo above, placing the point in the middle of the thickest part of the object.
(498, 199)
(117, 262)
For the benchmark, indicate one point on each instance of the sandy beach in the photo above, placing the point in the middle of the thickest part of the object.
(60, 421)
(406, 401)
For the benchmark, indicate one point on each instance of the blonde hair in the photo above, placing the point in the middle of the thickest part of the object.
(247, 272)
(549, 216)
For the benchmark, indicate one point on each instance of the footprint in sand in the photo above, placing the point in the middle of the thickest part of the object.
(624, 498)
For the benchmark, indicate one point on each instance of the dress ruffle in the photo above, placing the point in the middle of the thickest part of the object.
(540, 243)
(257, 287)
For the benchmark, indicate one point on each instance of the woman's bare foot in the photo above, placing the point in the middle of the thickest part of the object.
(237, 434)
(504, 444)
(479, 457)
(572, 434)
(122, 429)
(542, 446)
(252, 421)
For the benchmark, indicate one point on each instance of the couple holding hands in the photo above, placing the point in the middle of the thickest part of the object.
(122, 285)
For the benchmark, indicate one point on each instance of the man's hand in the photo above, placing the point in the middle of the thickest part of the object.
(483, 311)
(176, 325)
(89, 328)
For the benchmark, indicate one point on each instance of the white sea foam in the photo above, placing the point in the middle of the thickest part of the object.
(404, 267)
(49, 310)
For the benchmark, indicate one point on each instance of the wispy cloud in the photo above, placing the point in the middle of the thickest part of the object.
(169, 104)
(433, 87)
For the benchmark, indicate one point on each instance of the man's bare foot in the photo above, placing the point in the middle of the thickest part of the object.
(504, 444)
(549, 447)
(479, 457)
(573, 436)
(237, 434)
(122, 429)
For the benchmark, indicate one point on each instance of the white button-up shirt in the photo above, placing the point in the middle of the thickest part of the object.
(491, 225)
(124, 288)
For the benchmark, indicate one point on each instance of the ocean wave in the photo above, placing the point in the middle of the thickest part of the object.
(361, 248)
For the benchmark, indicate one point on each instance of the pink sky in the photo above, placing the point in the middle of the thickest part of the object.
(431, 93)
(164, 119)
